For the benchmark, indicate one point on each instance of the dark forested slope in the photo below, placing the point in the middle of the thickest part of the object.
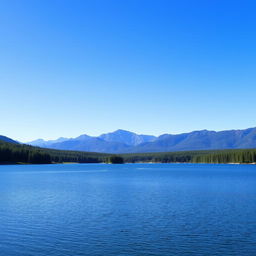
(20, 153)
(6, 139)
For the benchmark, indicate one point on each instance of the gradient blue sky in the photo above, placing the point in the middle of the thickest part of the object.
(74, 67)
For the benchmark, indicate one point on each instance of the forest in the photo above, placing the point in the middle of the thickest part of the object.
(203, 156)
(20, 153)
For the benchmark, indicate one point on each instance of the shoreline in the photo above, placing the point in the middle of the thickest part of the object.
(20, 163)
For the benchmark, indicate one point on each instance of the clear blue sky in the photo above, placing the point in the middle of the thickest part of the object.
(74, 67)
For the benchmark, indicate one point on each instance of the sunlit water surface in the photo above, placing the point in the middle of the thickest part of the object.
(131, 209)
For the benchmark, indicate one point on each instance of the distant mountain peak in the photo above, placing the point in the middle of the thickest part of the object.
(38, 140)
(120, 131)
(126, 137)
(83, 136)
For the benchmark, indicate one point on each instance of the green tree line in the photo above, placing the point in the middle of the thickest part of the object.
(20, 153)
(205, 156)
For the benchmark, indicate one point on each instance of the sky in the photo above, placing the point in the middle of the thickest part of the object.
(71, 67)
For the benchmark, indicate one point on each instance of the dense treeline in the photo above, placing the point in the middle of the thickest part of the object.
(17, 153)
(228, 156)
(205, 156)
(22, 155)
(116, 160)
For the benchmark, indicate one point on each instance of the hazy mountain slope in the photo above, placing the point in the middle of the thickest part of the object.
(46, 143)
(118, 141)
(6, 139)
(122, 141)
(91, 144)
(201, 140)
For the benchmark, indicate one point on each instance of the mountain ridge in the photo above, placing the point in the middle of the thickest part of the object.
(122, 141)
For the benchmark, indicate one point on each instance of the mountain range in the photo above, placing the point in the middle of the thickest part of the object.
(122, 141)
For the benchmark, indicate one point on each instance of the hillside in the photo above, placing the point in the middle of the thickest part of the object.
(12, 153)
(6, 139)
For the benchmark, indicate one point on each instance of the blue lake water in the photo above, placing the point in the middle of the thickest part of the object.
(131, 209)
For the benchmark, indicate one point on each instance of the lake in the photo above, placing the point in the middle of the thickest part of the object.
(130, 209)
